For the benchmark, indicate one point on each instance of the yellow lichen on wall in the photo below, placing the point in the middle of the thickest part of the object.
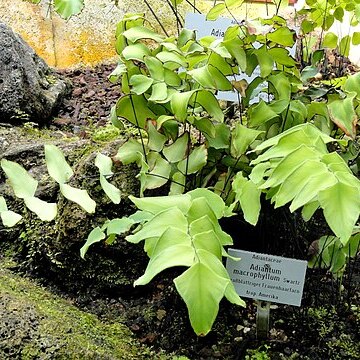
(86, 39)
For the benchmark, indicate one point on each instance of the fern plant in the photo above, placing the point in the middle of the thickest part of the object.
(293, 146)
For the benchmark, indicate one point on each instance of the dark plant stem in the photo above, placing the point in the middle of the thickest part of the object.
(323, 25)
(179, 22)
(284, 122)
(156, 17)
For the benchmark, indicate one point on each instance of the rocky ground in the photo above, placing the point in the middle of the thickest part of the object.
(326, 326)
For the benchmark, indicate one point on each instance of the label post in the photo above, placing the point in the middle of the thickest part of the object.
(262, 319)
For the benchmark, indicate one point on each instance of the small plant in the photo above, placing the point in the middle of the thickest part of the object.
(258, 354)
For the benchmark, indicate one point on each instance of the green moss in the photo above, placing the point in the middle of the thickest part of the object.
(106, 133)
(45, 326)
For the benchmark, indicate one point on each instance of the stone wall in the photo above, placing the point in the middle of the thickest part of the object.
(88, 39)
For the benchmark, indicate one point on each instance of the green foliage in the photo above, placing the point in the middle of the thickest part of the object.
(65, 8)
(293, 146)
(332, 254)
(182, 230)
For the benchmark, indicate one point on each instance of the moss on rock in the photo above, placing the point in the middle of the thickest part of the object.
(35, 324)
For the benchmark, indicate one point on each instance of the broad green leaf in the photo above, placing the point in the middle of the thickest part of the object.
(215, 202)
(307, 26)
(311, 189)
(21, 182)
(155, 67)
(215, 11)
(248, 194)
(282, 57)
(208, 241)
(179, 104)
(209, 102)
(80, 197)
(184, 37)
(159, 173)
(171, 217)
(119, 226)
(281, 85)
(309, 209)
(261, 113)
(235, 47)
(205, 223)
(140, 32)
(56, 164)
(295, 182)
(96, 235)
(344, 46)
(302, 132)
(289, 164)
(221, 81)
(178, 181)
(177, 255)
(216, 265)
(134, 108)
(140, 216)
(203, 76)
(352, 84)
(201, 225)
(171, 57)
(45, 211)
(206, 126)
(140, 83)
(129, 152)
(68, 8)
(177, 150)
(221, 64)
(9, 218)
(159, 92)
(195, 161)
(156, 139)
(356, 38)
(157, 204)
(221, 140)
(241, 138)
(266, 62)
(308, 73)
(202, 289)
(115, 120)
(200, 207)
(283, 36)
(171, 78)
(117, 72)
(3, 206)
(135, 52)
(342, 113)
(330, 40)
(104, 164)
(341, 205)
(171, 237)
(339, 13)
(110, 190)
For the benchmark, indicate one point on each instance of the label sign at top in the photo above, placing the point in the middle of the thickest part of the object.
(267, 277)
(204, 27)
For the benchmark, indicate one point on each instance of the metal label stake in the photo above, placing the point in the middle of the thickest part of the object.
(262, 319)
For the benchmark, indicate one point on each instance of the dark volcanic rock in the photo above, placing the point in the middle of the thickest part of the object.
(29, 89)
(52, 248)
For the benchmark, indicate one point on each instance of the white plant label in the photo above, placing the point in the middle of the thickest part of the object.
(267, 277)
